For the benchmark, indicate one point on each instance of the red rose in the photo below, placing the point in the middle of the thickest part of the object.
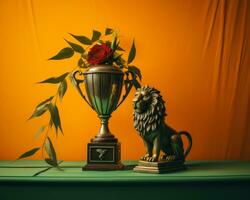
(99, 54)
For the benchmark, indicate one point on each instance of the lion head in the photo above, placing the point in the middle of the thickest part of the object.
(149, 110)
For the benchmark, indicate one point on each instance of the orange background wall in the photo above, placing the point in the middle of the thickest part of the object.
(195, 52)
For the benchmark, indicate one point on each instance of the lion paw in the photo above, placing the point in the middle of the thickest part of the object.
(145, 157)
(152, 159)
(171, 158)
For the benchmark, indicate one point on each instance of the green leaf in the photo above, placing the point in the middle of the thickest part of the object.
(39, 110)
(50, 123)
(114, 43)
(39, 131)
(81, 63)
(75, 47)
(45, 101)
(108, 43)
(49, 148)
(64, 53)
(119, 48)
(135, 71)
(132, 53)
(55, 80)
(117, 56)
(29, 153)
(53, 163)
(55, 118)
(82, 39)
(136, 84)
(118, 59)
(50, 162)
(62, 89)
(96, 35)
(84, 56)
(100, 42)
(108, 31)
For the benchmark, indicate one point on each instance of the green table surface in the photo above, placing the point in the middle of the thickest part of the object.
(23, 170)
(201, 180)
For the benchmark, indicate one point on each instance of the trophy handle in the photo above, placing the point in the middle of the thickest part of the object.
(128, 83)
(76, 82)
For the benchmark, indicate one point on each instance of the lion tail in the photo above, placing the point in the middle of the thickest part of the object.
(189, 142)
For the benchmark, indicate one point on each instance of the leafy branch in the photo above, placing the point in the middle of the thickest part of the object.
(132, 78)
(49, 105)
(98, 38)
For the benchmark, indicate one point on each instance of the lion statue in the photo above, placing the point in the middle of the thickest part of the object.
(149, 120)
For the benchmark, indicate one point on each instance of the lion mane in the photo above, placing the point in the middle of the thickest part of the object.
(154, 115)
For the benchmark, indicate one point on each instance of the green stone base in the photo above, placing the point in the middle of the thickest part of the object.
(159, 167)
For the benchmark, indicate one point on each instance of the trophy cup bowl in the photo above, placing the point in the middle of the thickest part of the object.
(103, 85)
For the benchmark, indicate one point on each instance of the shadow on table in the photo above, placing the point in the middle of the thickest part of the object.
(129, 167)
(211, 165)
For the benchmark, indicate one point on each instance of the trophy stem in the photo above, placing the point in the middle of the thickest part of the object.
(104, 134)
(103, 84)
(104, 130)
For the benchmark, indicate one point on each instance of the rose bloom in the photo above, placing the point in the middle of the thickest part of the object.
(99, 54)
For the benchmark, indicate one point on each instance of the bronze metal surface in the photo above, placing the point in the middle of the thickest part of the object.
(103, 84)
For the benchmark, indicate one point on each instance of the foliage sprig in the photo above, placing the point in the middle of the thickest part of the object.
(82, 47)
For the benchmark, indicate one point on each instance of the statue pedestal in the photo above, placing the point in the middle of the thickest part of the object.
(159, 167)
(103, 156)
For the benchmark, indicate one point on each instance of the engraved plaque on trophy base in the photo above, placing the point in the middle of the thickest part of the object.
(103, 156)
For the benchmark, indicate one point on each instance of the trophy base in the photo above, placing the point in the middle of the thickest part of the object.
(109, 139)
(103, 167)
(103, 156)
(159, 167)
